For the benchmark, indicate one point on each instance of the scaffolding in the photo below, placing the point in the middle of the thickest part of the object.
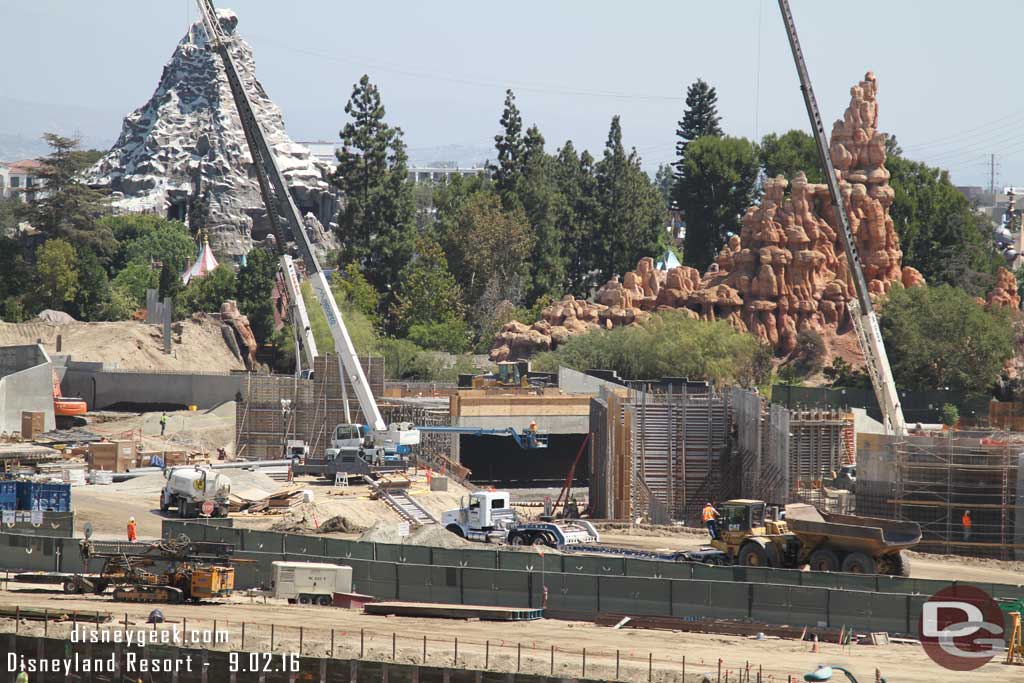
(939, 478)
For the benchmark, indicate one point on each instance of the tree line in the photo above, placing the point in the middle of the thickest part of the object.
(442, 266)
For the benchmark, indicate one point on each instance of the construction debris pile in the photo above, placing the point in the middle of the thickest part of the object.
(785, 272)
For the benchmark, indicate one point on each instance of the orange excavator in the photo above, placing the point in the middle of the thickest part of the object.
(64, 406)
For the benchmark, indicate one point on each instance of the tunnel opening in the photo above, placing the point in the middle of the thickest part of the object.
(498, 461)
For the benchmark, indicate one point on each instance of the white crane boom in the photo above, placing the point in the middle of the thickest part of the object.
(305, 341)
(280, 205)
(865, 322)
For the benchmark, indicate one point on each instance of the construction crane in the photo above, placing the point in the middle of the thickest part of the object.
(865, 322)
(282, 212)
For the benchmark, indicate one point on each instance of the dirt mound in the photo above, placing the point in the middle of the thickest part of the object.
(432, 535)
(197, 343)
(339, 524)
(249, 484)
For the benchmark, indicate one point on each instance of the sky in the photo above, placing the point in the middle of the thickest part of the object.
(946, 70)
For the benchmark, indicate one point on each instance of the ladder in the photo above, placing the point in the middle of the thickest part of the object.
(407, 508)
(861, 311)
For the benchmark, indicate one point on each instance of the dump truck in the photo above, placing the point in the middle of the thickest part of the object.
(191, 489)
(309, 583)
(753, 534)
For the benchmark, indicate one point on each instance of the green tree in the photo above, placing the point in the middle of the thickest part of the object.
(57, 273)
(700, 119)
(69, 208)
(254, 288)
(665, 181)
(719, 183)
(541, 201)
(93, 294)
(632, 216)
(135, 279)
(146, 238)
(790, 153)
(170, 282)
(14, 271)
(938, 336)
(350, 284)
(490, 247)
(207, 293)
(428, 295)
(377, 222)
(577, 219)
(669, 345)
(511, 149)
(940, 234)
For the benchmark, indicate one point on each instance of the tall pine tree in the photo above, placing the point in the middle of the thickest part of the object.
(720, 183)
(511, 148)
(632, 215)
(577, 217)
(700, 118)
(69, 209)
(377, 221)
(540, 199)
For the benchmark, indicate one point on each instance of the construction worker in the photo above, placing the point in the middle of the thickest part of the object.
(966, 521)
(531, 433)
(163, 424)
(132, 536)
(708, 517)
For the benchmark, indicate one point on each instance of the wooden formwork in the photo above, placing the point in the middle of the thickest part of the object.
(273, 408)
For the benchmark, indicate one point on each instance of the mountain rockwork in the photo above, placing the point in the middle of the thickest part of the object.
(786, 271)
(183, 154)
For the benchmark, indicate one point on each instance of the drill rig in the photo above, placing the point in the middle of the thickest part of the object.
(194, 570)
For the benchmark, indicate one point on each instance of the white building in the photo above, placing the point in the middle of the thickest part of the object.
(20, 179)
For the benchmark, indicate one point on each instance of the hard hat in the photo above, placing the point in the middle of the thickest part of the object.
(131, 519)
(707, 503)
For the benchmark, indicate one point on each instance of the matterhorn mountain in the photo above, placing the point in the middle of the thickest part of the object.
(183, 154)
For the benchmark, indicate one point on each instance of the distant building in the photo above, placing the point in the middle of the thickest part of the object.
(975, 194)
(20, 179)
(441, 174)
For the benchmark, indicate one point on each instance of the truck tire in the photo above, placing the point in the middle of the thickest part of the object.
(542, 539)
(304, 599)
(824, 560)
(184, 510)
(456, 529)
(516, 539)
(899, 565)
(753, 555)
(859, 563)
(324, 600)
(164, 507)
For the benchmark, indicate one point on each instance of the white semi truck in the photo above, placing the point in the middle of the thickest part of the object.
(309, 583)
(189, 489)
(488, 516)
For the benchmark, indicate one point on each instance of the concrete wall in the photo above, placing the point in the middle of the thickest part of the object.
(104, 388)
(26, 383)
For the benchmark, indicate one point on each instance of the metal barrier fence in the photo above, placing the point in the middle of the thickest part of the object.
(532, 561)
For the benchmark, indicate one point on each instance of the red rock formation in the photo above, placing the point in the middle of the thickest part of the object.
(1004, 292)
(786, 271)
(236, 325)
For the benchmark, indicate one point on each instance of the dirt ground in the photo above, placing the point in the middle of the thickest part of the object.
(108, 507)
(200, 430)
(666, 649)
(131, 345)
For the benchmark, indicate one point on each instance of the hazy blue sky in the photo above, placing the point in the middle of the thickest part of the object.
(947, 71)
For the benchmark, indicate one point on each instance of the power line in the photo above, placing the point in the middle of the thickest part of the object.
(470, 80)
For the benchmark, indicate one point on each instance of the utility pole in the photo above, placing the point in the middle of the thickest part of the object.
(992, 173)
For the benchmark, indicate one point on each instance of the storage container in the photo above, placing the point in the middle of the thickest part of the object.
(46, 497)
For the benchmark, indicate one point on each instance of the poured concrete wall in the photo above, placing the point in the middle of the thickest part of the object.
(26, 383)
(102, 389)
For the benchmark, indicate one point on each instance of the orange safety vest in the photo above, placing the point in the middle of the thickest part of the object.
(709, 513)
(966, 521)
